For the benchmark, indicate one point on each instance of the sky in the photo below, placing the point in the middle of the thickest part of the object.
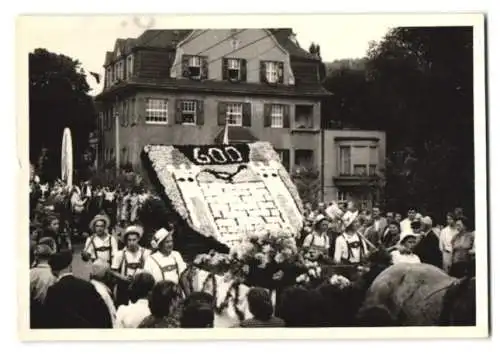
(87, 38)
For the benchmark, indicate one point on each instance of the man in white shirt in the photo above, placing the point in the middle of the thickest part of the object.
(164, 263)
(129, 261)
(406, 223)
(100, 245)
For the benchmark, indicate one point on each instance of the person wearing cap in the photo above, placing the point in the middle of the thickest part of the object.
(318, 239)
(404, 253)
(427, 248)
(164, 263)
(350, 247)
(405, 225)
(41, 279)
(100, 245)
(128, 261)
(72, 302)
(98, 277)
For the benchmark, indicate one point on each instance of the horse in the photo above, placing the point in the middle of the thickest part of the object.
(230, 295)
(418, 295)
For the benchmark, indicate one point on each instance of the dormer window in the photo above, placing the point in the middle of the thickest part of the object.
(233, 69)
(271, 72)
(194, 67)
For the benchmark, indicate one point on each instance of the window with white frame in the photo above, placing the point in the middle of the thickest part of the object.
(156, 111)
(188, 112)
(358, 160)
(233, 69)
(194, 66)
(234, 114)
(276, 116)
(272, 72)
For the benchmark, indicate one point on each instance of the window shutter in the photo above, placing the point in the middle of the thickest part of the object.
(140, 109)
(222, 111)
(225, 75)
(247, 115)
(133, 111)
(267, 115)
(185, 66)
(243, 70)
(286, 159)
(286, 116)
(263, 71)
(280, 72)
(178, 112)
(200, 119)
(204, 68)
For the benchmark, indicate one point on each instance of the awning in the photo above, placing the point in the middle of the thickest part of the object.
(236, 135)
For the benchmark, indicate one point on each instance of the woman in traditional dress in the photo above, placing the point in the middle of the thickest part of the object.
(404, 253)
(350, 248)
(100, 245)
(128, 261)
(318, 240)
(164, 263)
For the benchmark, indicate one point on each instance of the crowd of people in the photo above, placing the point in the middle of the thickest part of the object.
(136, 286)
(346, 235)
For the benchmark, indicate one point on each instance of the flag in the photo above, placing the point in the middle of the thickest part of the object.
(225, 140)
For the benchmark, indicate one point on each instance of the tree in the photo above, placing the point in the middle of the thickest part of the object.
(307, 181)
(58, 98)
(417, 86)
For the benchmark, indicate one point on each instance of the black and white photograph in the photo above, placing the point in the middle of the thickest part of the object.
(318, 174)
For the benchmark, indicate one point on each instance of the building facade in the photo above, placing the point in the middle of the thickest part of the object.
(182, 87)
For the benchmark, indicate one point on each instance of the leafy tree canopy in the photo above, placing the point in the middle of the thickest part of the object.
(417, 86)
(58, 98)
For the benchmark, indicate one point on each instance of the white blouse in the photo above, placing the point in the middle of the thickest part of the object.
(398, 257)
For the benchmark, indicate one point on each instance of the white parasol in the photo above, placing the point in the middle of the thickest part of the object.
(67, 158)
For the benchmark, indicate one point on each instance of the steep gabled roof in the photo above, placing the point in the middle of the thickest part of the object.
(284, 38)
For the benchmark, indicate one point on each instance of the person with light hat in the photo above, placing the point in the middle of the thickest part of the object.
(350, 247)
(318, 239)
(100, 245)
(128, 261)
(404, 252)
(164, 263)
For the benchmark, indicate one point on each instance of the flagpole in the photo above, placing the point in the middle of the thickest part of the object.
(117, 139)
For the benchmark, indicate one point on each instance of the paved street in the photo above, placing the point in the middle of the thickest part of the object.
(80, 268)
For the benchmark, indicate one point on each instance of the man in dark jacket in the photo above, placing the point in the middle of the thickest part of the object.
(427, 249)
(73, 302)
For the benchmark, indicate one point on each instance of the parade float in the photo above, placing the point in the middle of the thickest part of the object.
(241, 197)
